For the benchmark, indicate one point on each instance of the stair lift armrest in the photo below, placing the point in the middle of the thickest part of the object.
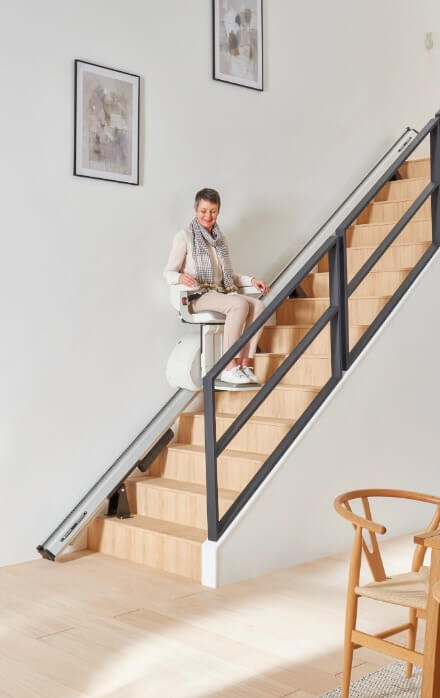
(181, 296)
(249, 291)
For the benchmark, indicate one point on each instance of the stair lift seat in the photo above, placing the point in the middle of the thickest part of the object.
(195, 355)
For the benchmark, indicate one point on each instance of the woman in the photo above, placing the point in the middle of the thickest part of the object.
(200, 257)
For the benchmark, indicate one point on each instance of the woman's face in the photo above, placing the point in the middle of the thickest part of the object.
(207, 213)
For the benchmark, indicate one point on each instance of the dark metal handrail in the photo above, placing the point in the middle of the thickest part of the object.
(337, 314)
(431, 129)
(214, 448)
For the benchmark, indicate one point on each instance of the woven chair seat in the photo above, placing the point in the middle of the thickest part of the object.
(409, 589)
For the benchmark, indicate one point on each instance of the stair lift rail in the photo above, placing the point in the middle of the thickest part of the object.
(149, 440)
(337, 314)
(135, 455)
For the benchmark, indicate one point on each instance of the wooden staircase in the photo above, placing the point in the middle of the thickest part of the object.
(169, 524)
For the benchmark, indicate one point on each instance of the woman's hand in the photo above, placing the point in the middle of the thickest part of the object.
(188, 280)
(260, 285)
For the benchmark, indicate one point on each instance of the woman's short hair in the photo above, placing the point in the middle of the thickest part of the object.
(207, 195)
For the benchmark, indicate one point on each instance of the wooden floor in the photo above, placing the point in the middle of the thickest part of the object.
(96, 626)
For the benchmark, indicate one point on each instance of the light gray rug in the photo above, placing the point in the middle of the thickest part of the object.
(388, 682)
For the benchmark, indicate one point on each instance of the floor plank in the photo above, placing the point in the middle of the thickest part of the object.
(92, 626)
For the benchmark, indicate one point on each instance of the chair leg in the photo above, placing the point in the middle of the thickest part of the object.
(350, 624)
(412, 634)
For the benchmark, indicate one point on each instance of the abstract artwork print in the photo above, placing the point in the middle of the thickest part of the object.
(238, 42)
(106, 123)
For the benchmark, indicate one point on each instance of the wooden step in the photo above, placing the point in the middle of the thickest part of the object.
(282, 339)
(362, 311)
(286, 401)
(187, 462)
(174, 500)
(398, 256)
(371, 234)
(259, 434)
(377, 283)
(388, 211)
(402, 189)
(161, 544)
(416, 168)
(308, 370)
(297, 311)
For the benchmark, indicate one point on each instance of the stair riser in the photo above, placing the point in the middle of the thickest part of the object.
(387, 211)
(382, 283)
(362, 311)
(281, 340)
(308, 370)
(188, 509)
(300, 311)
(288, 404)
(256, 437)
(415, 168)
(233, 473)
(178, 556)
(373, 234)
(402, 190)
(395, 258)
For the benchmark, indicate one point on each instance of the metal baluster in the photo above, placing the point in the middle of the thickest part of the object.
(435, 178)
(343, 296)
(335, 292)
(211, 459)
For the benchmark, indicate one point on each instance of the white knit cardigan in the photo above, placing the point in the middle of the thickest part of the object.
(181, 261)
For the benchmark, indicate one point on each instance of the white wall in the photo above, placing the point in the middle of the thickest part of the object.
(378, 429)
(86, 326)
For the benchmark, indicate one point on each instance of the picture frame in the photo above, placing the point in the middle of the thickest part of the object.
(106, 130)
(238, 42)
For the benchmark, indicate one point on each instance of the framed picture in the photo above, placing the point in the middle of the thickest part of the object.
(238, 42)
(106, 123)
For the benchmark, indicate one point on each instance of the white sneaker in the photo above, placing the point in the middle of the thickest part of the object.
(250, 375)
(233, 375)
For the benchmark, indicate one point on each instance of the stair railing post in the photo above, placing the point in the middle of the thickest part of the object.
(435, 178)
(211, 459)
(335, 292)
(342, 294)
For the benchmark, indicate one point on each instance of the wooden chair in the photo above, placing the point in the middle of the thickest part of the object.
(408, 590)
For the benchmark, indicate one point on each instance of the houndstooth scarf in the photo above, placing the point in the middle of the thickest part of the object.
(202, 261)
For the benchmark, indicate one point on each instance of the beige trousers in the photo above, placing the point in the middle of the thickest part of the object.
(240, 311)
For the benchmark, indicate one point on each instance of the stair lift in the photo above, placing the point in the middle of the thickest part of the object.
(195, 355)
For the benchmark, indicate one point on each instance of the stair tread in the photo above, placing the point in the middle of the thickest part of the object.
(323, 298)
(308, 327)
(394, 201)
(385, 223)
(168, 528)
(255, 418)
(386, 271)
(409, 179)
(319, 357)
(232, 453)
(395, 244)
(292, 386)
(183, 486)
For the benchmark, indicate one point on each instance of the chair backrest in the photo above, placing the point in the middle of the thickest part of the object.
(343, 507)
